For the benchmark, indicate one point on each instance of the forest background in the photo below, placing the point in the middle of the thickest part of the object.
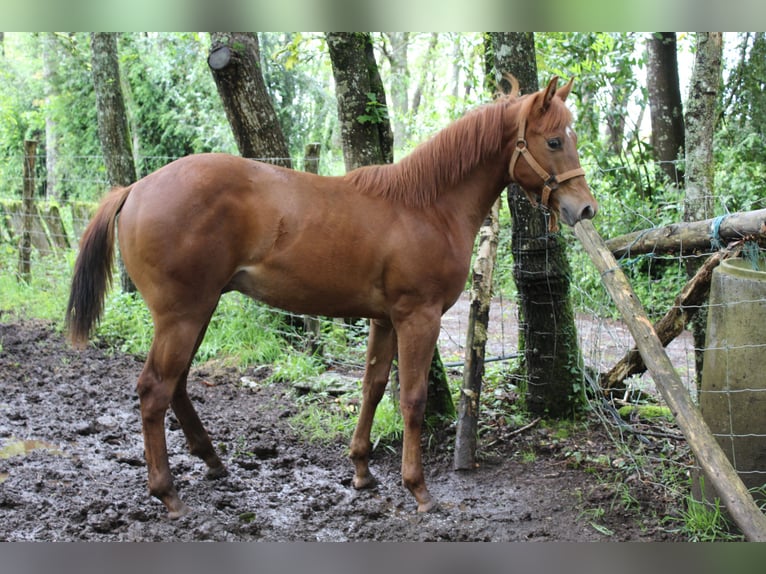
(173, 109)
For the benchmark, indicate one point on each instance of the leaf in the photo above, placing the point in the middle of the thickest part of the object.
(602, 529)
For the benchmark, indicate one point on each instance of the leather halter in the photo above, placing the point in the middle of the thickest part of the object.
(550, 182)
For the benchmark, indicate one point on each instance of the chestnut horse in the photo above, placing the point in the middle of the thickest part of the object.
(391, 243)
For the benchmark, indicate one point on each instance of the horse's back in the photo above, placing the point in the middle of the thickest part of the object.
(194, 219)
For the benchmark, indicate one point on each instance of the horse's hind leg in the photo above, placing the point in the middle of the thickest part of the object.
(197, 438)
(380, 352)
(175, 340)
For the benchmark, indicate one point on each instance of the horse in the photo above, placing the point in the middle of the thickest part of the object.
(391, 243)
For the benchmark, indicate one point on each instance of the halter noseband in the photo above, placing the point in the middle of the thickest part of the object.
(550, 182)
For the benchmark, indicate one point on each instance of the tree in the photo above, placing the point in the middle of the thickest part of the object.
(700, 122)
(426, 72)
(112, 119)
(395, 51)
(665, 102)
(50, 75)
(234, 61)
(540, 269)
(362, 111)
(367, 139)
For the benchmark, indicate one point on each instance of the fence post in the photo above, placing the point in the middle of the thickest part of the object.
(27, 210)
(310, 322)
(476, 341)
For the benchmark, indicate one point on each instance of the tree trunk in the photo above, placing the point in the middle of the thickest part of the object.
(112, 120)
(548, 336)
(235, 63)
(311, 324)
(426, 72)
(364, 124)
(367, 140)
(400, 83)
(50, 76)
(700, 128)
(665, 103)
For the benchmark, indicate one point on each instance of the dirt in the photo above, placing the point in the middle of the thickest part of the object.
(80, 475)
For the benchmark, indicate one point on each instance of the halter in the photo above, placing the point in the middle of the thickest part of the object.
(550, 182)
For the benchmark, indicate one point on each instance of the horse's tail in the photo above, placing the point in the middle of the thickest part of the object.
(93, 269)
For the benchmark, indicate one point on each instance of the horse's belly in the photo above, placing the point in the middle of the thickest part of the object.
(331, 295)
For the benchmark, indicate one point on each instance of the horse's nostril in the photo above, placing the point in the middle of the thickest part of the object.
(587, 212)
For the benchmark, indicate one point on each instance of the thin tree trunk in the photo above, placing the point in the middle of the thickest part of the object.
(112, 121)
(426, 72)
(400, 83)
(476, 342)
(27, 211)
(50, 75)
(665, 103)
(700, 127)
(311, 324)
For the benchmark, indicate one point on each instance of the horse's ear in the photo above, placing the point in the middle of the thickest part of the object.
(550, 91)
(563, 91)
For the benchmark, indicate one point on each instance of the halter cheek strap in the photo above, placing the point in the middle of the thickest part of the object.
(550, 182)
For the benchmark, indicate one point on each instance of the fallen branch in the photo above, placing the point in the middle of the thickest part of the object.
(526, 427)
(686, 238)
(685, 306)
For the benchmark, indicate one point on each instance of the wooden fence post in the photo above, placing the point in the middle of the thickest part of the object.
(25, 245)
(706, 449)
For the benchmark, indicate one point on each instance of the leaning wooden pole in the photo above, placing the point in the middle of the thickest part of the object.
(709, 454)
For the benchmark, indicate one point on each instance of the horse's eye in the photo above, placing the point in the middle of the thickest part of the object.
(554, 143)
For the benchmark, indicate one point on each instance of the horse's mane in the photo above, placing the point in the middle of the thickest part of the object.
(445, 159)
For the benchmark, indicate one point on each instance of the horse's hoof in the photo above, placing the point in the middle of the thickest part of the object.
(217, 472)
(179, 510)
(362, 483)
(428, 506)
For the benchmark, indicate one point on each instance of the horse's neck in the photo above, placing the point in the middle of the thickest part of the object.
(472, 198)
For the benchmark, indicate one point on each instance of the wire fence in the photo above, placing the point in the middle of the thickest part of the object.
(603, 337)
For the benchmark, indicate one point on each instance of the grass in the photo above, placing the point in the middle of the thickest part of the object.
(705, 522)
(327, 419)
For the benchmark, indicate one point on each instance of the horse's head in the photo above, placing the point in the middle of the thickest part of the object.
(545, 162)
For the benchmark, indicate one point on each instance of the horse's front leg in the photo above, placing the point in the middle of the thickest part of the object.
(417, 335)
(381, 347)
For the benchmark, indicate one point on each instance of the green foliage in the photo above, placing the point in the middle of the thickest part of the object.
(375, 112)
(323, 418)
(45, 297)
(297, 73)
(705, 522)
(173, 105)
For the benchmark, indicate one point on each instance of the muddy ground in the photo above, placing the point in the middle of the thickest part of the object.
(80, 475)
